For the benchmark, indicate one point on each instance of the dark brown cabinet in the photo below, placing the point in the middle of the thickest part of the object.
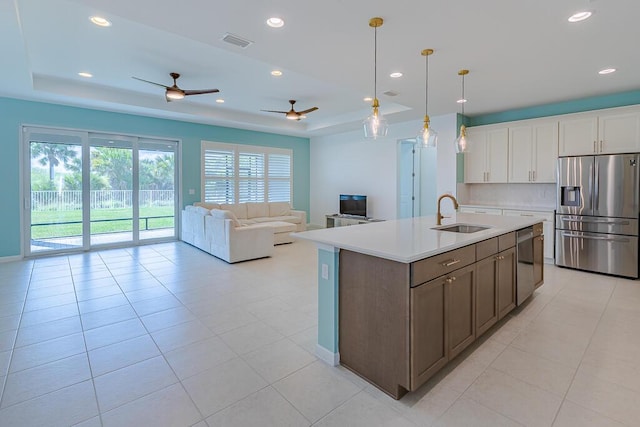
(460, 298)
(486, 294)
(506, 281)
(428, 331)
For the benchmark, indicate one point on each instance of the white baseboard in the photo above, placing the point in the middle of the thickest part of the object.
(10, 258)
(327, 356)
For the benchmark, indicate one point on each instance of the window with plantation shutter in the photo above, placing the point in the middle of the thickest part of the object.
(219, 177)
(241, 173)
(279, 178)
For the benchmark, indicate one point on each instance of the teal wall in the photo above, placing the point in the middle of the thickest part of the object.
(14, 113)
(566, 107)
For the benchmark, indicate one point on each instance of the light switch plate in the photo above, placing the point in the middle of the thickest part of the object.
(325, 271)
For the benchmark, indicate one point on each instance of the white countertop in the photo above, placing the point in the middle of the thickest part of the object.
(411, 239)
(510, 207)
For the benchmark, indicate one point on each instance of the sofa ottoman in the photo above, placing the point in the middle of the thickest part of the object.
(281, 231)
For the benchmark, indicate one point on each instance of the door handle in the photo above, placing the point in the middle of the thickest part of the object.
(607, 239)
(594, 147)
(595, 221)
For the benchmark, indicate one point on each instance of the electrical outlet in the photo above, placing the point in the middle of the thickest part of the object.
(325, 271)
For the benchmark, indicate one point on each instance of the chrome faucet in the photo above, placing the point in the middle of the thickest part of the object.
(455, 206)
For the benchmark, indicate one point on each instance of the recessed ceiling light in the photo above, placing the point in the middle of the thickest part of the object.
(607, 71)
(100, 21)
(395, 75)
(580, 16)
(461, 101)
(275, 22)
(85, 74)
(276, 73)
(368, 99)
(220, 101)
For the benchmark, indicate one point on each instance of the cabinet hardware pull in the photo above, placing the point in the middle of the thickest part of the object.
(450, 263)
(450, 279)
(534, 175)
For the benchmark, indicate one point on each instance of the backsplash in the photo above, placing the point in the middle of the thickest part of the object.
(508, 195)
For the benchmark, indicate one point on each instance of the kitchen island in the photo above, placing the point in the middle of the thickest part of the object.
(398, 299)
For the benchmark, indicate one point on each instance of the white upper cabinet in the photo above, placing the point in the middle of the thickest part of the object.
(486, 158)
(533, 152)
(605, 132)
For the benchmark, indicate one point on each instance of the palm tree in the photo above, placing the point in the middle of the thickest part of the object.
(52, 155)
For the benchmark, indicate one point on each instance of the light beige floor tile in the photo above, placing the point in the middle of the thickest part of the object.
(606, 398)
(91, 422)
(222, 385)
(113, 333)
(459, 375)
(251, 337)
(43, 379)
(307, 339)
(103, 303)
(484, 350)
(564, 344)
(269, 306)
(48, 331)
(194, 358)
(316, 390)
(106, 317)
(618, 340)
(363, 410)
(125, 353)
(535, 370)
(89, 293)
(5, 357)
(148, 293)
(32, 304)
(168, 407)
(9, 323)
(116, 388)
(167, 318)
(228, 320)
(466, 412)
(276, 361)
(572, 415)
(64, 407)
(47, 351)
(46, 315)
(180, 335)
(150, 306)
(290, 322)
(514, 398)
(264, 408)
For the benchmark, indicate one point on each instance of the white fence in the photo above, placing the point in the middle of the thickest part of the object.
(68, 200)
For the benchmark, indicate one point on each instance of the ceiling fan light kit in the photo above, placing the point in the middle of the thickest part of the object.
(462, 144)
(174, 93)
(292, 114)
(375, 125)
(427, 137)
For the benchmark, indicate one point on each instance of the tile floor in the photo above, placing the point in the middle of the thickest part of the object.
(166, 335)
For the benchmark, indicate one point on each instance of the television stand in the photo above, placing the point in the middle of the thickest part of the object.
(337, 220)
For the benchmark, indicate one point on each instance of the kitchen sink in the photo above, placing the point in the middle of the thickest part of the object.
(461, 228)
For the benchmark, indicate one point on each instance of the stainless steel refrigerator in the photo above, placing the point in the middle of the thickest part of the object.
(597, 213)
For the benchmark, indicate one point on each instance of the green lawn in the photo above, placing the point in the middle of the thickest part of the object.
(120, 221)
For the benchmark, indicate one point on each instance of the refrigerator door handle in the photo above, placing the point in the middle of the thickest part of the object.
(609, 239)
(596, 195)
(595, 221)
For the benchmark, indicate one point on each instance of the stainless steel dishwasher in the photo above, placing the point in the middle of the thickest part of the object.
(526, 275)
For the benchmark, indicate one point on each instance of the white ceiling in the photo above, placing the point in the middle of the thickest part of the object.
(520, 53)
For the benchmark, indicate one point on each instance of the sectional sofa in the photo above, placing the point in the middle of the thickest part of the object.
(242, 231)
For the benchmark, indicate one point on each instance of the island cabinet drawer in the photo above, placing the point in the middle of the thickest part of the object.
(486, 248)
(506, 241)
(437, 265)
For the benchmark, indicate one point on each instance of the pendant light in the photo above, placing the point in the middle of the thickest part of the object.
(427, 137)
(375, 125)
(462, 143)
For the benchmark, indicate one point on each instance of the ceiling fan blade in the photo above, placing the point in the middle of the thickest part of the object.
(273, 111)
(153, 83)
(307, 111)
(200, 92)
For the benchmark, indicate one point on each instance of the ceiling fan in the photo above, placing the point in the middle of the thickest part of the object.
(293, 114)
(174, 93)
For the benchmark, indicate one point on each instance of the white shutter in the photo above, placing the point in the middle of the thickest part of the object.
(279, 177)
(219, 176)
(251, 177)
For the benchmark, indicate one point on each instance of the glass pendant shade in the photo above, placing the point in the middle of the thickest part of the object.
(461, 142)
(375, 125)
(427, 137)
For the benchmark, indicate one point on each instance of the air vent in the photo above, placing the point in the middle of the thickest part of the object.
(236, 40)
(390, 93)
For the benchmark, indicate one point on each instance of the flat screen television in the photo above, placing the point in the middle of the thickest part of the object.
(351, 204)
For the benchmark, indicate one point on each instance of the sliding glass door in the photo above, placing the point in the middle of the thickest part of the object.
(87, 189)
